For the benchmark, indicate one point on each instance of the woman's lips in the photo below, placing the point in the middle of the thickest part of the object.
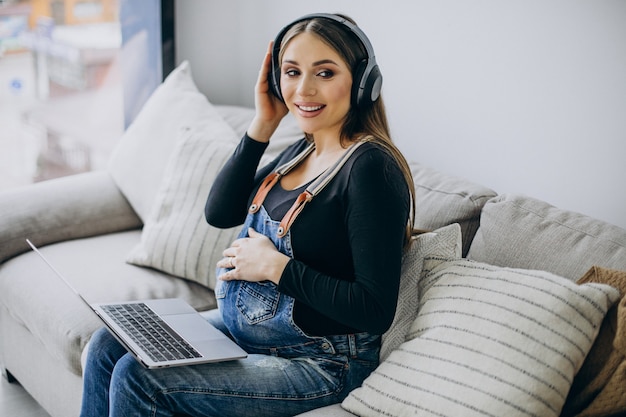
(309, 110)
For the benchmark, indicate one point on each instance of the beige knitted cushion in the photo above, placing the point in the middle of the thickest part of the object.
(599, 389)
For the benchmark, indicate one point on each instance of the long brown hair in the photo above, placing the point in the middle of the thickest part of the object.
(365, 121)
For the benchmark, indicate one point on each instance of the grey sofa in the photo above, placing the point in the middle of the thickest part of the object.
(88, 224)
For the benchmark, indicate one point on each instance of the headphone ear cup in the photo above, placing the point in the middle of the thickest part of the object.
(273, 76)
(357, 83)
(374, 83)
(366, 84)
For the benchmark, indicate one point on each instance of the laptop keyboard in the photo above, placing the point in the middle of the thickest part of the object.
(150, 332)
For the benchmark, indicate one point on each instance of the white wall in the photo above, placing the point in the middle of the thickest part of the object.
(523, 96)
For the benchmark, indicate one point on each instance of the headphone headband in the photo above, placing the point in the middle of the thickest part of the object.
(366, 78)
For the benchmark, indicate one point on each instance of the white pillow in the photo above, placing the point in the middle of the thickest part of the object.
(140, 157)
(487, 341)
(176, 237)
(443, 243)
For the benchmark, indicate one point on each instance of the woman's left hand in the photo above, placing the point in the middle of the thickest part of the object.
(253, 258)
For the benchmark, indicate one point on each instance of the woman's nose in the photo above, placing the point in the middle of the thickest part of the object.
(306, 87)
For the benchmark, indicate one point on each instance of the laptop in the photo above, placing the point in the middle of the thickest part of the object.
(161, 333)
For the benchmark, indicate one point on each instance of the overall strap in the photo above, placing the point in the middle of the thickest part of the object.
(316, 186)
(307, 195)
(275, 176)
(314, 189)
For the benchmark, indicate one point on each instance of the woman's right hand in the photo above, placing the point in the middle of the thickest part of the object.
(269, 109)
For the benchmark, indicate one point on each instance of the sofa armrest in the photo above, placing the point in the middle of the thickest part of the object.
(72, 207)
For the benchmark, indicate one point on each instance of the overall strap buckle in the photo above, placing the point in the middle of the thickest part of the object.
(265, 188)
(293, 212)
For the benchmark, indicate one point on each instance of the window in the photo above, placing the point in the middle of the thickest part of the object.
(73, 75)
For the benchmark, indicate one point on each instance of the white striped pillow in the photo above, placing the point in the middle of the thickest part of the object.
(176, 238)
(488, 341)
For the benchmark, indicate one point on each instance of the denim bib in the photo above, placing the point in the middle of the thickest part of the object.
(256, 314)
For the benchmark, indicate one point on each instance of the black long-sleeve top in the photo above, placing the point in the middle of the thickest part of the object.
(347, 242)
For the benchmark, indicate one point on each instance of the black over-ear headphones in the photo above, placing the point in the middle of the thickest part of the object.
(366, 78)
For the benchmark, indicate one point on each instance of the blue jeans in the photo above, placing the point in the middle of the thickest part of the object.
(116, 385)
(286, 373)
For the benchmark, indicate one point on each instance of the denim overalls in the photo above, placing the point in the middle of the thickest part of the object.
(260, 318)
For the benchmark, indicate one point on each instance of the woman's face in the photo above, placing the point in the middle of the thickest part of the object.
(316, 84)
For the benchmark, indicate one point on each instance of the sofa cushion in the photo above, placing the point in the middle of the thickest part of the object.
(176, 237)
(523, 232)
(138, 160)
(442, 243)
(38, 299)
(487, 341)
(599, 388)
(71, 207)
(443, 199)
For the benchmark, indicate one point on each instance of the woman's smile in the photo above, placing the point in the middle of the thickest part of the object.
(309, 109)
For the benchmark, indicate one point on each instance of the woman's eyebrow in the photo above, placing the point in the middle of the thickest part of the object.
(315, 64)
(324, 62)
